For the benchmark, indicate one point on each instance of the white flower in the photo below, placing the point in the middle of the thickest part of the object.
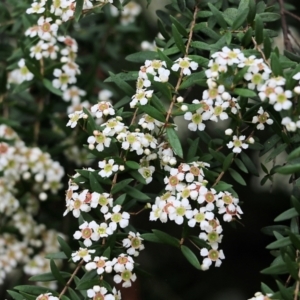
(24, 73)
(85, 233)
(47, 296)
(185, 64)
(140, 97)
(82, 253)
(74, 94)
(147, 172)
(237, 144)
(201, 217)
(100, 139)
(63, 79)
(196, 119)
(103, 200)
(289, 124)
(74, 117)
(213, 255)
(123, 262)
(100, 230)
(103, 108)
(108, 167)
(46, 30)
(229, 131)
(262, 118)
(117, 218)
(280, 99)
(98, 292)
(36, 7)
(101, 264)
(127, 277)
(181, 209)
(78, 203)
(133, 243)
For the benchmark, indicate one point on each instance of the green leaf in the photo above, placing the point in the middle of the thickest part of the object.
(35, 290)
(249, 164)
(276, 269)
(222, 186)
(120, 185)
(275, 65)
(178, 39)
(295, 240)
(57, 255)
(132, 165)
(162, 87)
(267, 47)
(259, 26)
(136, 194)
(48, 85)
(296, 204)
(190, 256)
(166, 238)
(203, 46)
(179, 27)
(174, 141)
(288, 214)
(276, 151)
(292, 56)
(240, 18)
(192, 150)
(21, 87)
(240, 165)
(158, 104)
(56, 273)
(181, 5)
(64, 246)
(140, 57)
(228, 160)
(124, 86)
(244, 93)
(288, 169)
(73, 294)
(48, 277)
(87, 284)
(95, 185)
(237, 177)
(120, 200)
(150, 237)
(280, 243)
(219, 156)
(285, 293)
(91, 123)
(199, 242)
(138, 177)
(204, 14)
(195, 78)
(15, 295)
(218, 15)
(269, 17)
(265, 289)
(269, 144)
(78, 9)
(252, 11)
(269, 230)
(247, 38)
(294, 154)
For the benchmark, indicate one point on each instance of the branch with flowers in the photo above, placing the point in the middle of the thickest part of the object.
(139, 162)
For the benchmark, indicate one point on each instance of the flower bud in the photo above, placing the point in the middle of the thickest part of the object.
(228, 131)
(179, 99)
(297, 89)
(251, 140)
(184, 107)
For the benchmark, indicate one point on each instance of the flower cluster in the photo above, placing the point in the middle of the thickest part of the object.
(19, 164)
(129, 12)
(188, 198)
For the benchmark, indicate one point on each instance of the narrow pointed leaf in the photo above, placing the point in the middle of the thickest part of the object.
(56, 273)
(178, 39)
(78, 9)
(120, 185)
(218, 15)
(288, 214)
(190, 256)
(237, 177)
(64, 246)
(166, 238)
(259, 26)
(174, 141)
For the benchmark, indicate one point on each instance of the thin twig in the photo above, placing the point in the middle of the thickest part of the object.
(285, 30)
(181, 72)
(298, 282)
(291, 14)
(71, 279)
